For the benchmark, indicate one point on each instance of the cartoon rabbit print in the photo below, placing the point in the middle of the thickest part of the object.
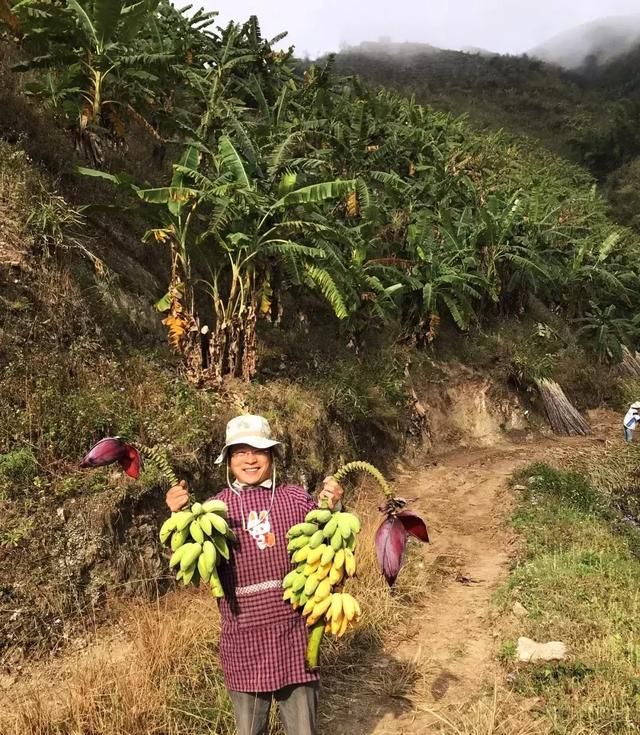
(259, 527)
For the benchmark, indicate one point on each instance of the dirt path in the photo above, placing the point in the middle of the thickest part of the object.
(466, 500)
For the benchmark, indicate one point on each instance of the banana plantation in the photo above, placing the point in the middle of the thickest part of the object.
(284, 184)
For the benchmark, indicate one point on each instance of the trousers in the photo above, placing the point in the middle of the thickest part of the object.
(628, 434)
(298, 705)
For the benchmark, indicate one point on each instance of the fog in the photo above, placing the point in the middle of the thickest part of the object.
(504, 26)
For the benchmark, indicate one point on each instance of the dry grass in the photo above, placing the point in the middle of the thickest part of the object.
(161, 674)
(500, 714)
(160, 677)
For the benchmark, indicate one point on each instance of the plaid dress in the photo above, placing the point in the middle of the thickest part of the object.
(263, 640)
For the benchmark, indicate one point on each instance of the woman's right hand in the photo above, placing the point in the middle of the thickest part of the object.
(177, 497)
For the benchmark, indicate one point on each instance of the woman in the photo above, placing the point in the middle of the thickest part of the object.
(263, 640)
(630, 421)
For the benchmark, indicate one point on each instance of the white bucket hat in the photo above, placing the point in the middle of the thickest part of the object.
(636, 404)
(248, 429)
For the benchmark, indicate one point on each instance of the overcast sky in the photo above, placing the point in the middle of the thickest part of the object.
(505, 26)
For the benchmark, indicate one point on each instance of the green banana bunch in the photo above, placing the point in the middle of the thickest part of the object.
(199, 538)
(321, 548)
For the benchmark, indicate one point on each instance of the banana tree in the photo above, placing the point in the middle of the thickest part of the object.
(254, 223)
(89, 43)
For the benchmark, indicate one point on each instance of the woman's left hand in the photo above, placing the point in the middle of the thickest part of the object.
(331, 492)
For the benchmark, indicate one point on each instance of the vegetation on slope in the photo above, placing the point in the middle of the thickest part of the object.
(578, 580)
(588, 115)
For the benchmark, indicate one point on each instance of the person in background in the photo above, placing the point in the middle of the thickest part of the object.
(630, 421)
(263, 640)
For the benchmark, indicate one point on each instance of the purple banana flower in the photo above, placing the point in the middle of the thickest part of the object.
(391, 539)
(392, 535)
(113, 449)
(414, 525)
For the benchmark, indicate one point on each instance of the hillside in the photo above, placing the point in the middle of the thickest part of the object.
(193, 227)
(585, 114)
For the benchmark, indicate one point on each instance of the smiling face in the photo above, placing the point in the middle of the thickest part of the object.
(250, 466)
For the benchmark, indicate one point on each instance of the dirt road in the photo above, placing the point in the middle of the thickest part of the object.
(466, 498)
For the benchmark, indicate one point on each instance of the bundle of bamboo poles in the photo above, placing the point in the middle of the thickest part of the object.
(564, 418)
(630, 365)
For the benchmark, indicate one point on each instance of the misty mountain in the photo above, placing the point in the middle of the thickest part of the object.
(597, 42)
(590, 115)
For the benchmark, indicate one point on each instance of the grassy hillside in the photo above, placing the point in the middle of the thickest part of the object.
(587, 115)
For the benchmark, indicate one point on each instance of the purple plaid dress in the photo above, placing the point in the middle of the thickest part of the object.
(263, 640)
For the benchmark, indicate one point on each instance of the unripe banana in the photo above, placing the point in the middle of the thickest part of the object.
(303, 599)
(183, 519)
(331, 526)
(222, 547)
(197, 509)
(216, 585)
(344, 525)
(311, 585)
(203, 569)
(179, 538)
(298, 583)
(219, 523)
(189, 574)
(297, 543)
(327, 555)
(167, 528)
(316, 540)
(214, 506)
(288, 594)
(209, 554)
(288, 580)
(302, 529)
(336, 540)
(205, 524)
(190, 556)
(196, 532)
(178, 554)
(318, 515)
(354, 522)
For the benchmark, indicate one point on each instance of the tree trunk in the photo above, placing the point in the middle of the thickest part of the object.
(564, 418)
(233, 347)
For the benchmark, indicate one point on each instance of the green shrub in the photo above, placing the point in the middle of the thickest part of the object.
(572, 488)
(18, 470)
